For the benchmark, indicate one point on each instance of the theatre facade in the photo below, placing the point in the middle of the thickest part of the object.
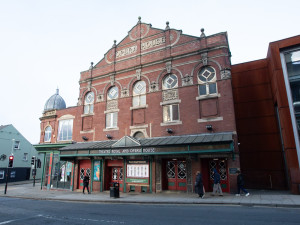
(157, 108)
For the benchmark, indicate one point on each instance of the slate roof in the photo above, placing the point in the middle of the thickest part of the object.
(155, 141)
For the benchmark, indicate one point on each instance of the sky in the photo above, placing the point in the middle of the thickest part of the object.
(44, 45)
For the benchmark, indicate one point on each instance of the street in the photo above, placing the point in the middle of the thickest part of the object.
(25, 211)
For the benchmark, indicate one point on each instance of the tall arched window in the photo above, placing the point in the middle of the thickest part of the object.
(111, 115)
(170, 81)
(207, 81)
(139, 94)
(48, 132)
(89, 103)
(170, 111)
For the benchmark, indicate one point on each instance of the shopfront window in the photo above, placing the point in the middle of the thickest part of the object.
(60, 173)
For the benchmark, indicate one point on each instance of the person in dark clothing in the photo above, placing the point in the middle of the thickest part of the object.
(217, 186)
(199, 184)
(240, 184)
(86, 180)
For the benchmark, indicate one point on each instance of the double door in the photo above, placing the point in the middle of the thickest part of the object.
(117, 175)
(176, 175)
(221, 166)
(84, 169)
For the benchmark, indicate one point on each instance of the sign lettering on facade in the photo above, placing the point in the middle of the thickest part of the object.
(153, 43)
(126, 51)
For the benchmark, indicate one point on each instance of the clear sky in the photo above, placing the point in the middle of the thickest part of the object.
(45, 44)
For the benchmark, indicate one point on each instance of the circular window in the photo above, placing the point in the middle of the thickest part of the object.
(139, 135)
(170, 81)
(89, 98)
(207, 74)
(113, 93)
(139, 88)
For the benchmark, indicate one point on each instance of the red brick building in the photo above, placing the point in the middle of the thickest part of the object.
(267, 98)
(157, 108)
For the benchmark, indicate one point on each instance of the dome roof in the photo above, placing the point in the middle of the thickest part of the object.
(55, 102)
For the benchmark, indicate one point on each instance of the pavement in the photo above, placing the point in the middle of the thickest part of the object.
(264, 198)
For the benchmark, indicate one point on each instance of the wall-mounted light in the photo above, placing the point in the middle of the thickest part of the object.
(169, 130)
(85, 138)
(209, 127)
(109, 136)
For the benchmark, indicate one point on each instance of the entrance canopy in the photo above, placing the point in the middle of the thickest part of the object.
(185, 144)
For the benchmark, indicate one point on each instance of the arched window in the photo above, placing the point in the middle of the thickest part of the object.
(170, 81)
(113, 93)
(207, 81)
(89, 103)
(111, 115)
(139, 135)
(139, 94)
(65, 130)
(48, 132)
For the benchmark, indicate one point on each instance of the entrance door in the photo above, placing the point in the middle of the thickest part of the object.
(176, 173)
(117, 175)
(84, 169)
(221, 166)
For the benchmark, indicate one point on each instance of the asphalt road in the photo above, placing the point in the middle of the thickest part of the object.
(22, 211)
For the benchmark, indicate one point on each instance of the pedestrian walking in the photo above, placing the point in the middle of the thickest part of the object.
(86, 181)
(199, 185)
(217, 186)
(240, 184)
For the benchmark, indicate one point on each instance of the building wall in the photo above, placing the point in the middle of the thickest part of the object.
(261, 154)
(21, 166)
(191, 110)
(180, 54)
(279, 93)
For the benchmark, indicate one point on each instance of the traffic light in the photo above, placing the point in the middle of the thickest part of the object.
(39, 163)
(10, 161)
(32, 160)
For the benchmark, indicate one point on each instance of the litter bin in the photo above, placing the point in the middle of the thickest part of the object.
(114, 190)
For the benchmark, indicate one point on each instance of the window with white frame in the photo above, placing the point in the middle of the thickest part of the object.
(1, 174)
(207, 81)
(112, 120)
(139, 94)
(16, 144)
(89, 103)
(113, 93)
(25, 157)
(170, 81)
(48, 132)
(170, 113)
(65, 129)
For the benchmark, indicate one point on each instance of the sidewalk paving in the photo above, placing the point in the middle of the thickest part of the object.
(26, 190)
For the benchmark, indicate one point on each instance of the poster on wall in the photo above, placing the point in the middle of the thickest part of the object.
(97, 171)
(138, 170)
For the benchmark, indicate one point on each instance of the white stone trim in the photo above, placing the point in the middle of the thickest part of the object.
(179, 122)
(110, 129)
(210, 119)
(66, 117)
(208, 96)
(138, 107)
(175, 101)
(111, 111)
